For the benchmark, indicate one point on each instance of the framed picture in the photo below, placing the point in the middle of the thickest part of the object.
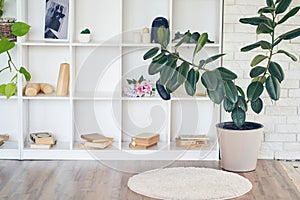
(56, 20)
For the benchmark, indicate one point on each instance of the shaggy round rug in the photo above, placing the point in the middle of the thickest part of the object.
(189, 183)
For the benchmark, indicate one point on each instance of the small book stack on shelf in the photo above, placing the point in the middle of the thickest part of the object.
(95, 141)
(144, 140)
(42, 140)
(3, 138)
(192, 141)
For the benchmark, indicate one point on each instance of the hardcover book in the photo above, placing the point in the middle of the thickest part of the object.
(98, 145)
(95, 137)
(40, 146)
(134, 145)
(145, 138)
(42, 138)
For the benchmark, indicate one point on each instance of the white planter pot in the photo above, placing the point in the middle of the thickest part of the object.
(239, 148)
(84, 37)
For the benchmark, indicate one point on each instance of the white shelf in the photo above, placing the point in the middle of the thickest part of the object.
(98, 73)
(12, 145)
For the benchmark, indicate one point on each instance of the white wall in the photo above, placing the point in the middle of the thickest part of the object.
(282, 118)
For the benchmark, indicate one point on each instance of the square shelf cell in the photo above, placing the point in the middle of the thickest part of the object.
(9, 118)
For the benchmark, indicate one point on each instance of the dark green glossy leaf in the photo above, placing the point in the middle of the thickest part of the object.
(294, 58)
(250, 47)
(273, 87)
(290, 14)
(185, 39)
(257, 59)
(255, 20)
(270, 3)
(217, 95)
(172, 83)
(200, 43)
(163, 35)
(210, 80)
(159, 56)
(226, 74)
(242, 103)
(183, 72)
(25, 73)
(277, 41)
(257, 105)
(276, 71)
(238, 116)
(261, 79)
(254, 90)
(162, 91)
(201, 64)
(282, 6)
(156, 66)
(265, 44)
(228, 105)
(256, 71)
(167, 71)
(291, 34)
(231, 91)
(10, 90)
(6, 45)
(266, 10)
(152, 52)
(240, 90)
(264, 28)
(20, 29)
(190, 83)
(213, 58)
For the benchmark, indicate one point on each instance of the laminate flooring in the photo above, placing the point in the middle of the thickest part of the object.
(107, 180)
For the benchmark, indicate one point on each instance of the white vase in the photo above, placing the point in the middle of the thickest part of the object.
(84, 37)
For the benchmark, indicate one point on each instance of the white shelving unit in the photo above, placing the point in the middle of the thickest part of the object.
(99, 70)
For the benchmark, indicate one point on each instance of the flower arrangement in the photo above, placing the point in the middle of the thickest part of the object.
(139, 88)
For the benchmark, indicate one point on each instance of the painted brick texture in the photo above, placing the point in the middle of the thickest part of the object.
(282, 118)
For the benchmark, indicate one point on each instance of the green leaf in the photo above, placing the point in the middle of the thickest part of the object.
(213, 58)
(228, 105)
(282, 6)
(226, 74)
(6, 45)
(273, 87)
(231, 91)
(250, 47)
(291, 13)
(290, 35)
(257, 59)
(266, 10)
(185, 39)
(162, 91)
(141, 79)
(190, 83)
(240, 90)
(210, 80)
(156, 66)
(25, 73)
(294, 58)
(255, 20)
(10, 90)
(277, 41)
(256, 71)
(217, 95)
(242, 103)
(201, 42)
(265, 44)
(183, 72)
(261, 79)
(254, 90)
(172, 83)
(201, 64)
(20, 29)
(163, 35)
(167, 71)
(257, 105)
(129, 81)
(264, 28)
(2, 89)
(270, 3)
(238, 116)
(152, 52)
(276, 71)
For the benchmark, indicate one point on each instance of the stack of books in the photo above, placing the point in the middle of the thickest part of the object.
(3, 138)
(42, 140)
(144, 140)
(95, 141)
(192, 141)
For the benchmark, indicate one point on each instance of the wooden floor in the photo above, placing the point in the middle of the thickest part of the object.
(108, 180)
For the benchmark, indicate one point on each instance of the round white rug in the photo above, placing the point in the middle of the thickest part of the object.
(189, 183)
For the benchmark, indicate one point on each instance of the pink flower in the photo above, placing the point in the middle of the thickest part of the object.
(144, 88)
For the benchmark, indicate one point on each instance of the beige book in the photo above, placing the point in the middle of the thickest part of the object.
(95, 137)
(98, 145)
(4, 137)
(145, 138)
(40, 146)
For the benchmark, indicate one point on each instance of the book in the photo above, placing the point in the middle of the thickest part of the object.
(96, 137)
(192, 137)
(139, 146)
(40, 146)
(190, 142)
(145, 138)
(98, 145)
(42, 138)
(1, 142)
(192, 146)
(4, 137)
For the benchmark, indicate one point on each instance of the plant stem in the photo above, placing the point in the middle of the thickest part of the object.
(10, 62)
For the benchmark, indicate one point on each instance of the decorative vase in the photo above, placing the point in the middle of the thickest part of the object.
(239, 148)
(84, 37)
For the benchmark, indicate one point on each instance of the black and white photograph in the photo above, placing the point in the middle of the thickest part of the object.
(56, 20)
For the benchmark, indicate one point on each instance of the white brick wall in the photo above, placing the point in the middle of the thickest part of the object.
(282, 118)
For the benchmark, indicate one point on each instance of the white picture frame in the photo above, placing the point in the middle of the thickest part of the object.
(56, 20)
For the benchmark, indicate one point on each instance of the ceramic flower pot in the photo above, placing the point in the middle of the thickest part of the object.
(84, 37)
(239, 148)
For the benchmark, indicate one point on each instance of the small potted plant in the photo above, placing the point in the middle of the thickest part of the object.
(6, 23)
(239, 140)
(85, 35)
